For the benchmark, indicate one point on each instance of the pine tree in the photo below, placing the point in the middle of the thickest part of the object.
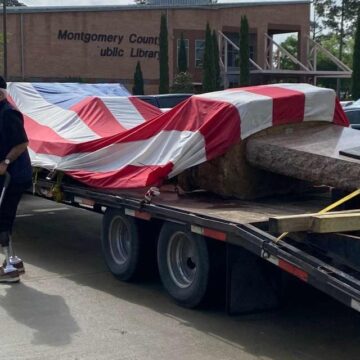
(244, 52)
(209, 83)
(337, 16)
(12, 3)
(216, 62)
(355, 91)
(182, 59)
(138, 88)
(163, 57)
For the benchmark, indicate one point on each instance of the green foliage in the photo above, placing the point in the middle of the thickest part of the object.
(244, 52)
(330, 42)
(1, 53)
(138, 88)
(337, 17)
(145, 2)
(355, 90)
(336, 21)
(12, 3)
(163, 57)
(182, 60)
(216, 61)
(209, 82)
(182, 83)
(330, 13)
(291, 45)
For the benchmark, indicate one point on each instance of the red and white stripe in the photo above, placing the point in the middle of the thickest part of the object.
(123, 142)
(261, 107)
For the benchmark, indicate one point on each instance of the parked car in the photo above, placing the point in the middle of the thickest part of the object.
(344, 104)
(164, 101)
(353, 114)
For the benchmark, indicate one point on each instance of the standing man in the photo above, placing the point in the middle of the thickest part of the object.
(14, 159)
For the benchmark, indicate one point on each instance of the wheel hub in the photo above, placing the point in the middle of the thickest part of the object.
(119, 241)
(182, 260)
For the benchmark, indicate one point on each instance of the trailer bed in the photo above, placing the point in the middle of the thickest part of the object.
(239, 224)
(234, 210)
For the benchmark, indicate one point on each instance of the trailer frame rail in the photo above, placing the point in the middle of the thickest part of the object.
(338, 284)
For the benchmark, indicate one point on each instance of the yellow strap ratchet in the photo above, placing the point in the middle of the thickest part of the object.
(36, 171)
(56, 190)
(328, 208)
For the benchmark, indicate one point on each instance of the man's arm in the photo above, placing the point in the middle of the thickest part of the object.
(13, 154)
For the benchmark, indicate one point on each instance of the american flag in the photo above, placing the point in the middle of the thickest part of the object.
(104, 139)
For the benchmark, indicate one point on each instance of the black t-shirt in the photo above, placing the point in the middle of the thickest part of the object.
(12, 133)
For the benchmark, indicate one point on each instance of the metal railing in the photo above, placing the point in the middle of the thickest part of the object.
(272, 64)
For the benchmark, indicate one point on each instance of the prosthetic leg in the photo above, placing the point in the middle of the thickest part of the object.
(8, 272)
(15, 260)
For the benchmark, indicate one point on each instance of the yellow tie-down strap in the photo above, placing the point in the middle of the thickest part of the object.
(328, 208)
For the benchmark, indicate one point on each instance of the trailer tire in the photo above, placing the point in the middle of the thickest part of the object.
(184, 265)
(120, 244)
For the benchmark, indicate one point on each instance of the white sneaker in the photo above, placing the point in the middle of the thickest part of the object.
(17, 263)
(9, 274)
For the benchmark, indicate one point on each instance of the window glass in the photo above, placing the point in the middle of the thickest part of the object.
(353, 116)
(199, 53)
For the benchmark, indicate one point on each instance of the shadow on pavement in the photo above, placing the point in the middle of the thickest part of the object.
(310, 326)
(32, 308)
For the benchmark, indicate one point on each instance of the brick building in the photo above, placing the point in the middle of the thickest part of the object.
(104, 43)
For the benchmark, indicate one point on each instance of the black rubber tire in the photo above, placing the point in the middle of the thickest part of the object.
(127, 268)
(192, 295)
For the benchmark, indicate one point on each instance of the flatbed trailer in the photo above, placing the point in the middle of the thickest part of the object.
(204, 244)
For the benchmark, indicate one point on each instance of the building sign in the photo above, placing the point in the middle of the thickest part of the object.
(113, 44)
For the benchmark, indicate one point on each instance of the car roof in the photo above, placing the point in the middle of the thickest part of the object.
(354, 105)
(351, 108)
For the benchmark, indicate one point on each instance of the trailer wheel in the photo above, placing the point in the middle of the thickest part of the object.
(183, 262)
(120, 244)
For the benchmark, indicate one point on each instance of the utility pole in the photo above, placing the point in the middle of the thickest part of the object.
(5, 39)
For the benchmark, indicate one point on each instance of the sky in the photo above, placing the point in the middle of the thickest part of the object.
(98, 2)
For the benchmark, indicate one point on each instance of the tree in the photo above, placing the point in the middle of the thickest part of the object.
(355, 90)
(209, 83)
(138, 88)
(163, 57)
(244, 52)
(216, 62)
(169, 2)
(183, 83)
(182, 58)
(291, 45)
(338, 17)
(12, 3)
(330, 42)
(315, 25)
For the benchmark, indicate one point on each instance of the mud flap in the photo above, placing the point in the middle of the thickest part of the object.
(253, 284)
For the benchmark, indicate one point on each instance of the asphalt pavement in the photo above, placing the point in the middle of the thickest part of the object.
(68, 306)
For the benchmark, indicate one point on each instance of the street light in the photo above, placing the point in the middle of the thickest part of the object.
(5, 39)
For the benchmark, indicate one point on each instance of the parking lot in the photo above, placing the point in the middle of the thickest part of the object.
(68, 306)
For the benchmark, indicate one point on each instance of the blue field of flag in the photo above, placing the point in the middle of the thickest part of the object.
(66, 95)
